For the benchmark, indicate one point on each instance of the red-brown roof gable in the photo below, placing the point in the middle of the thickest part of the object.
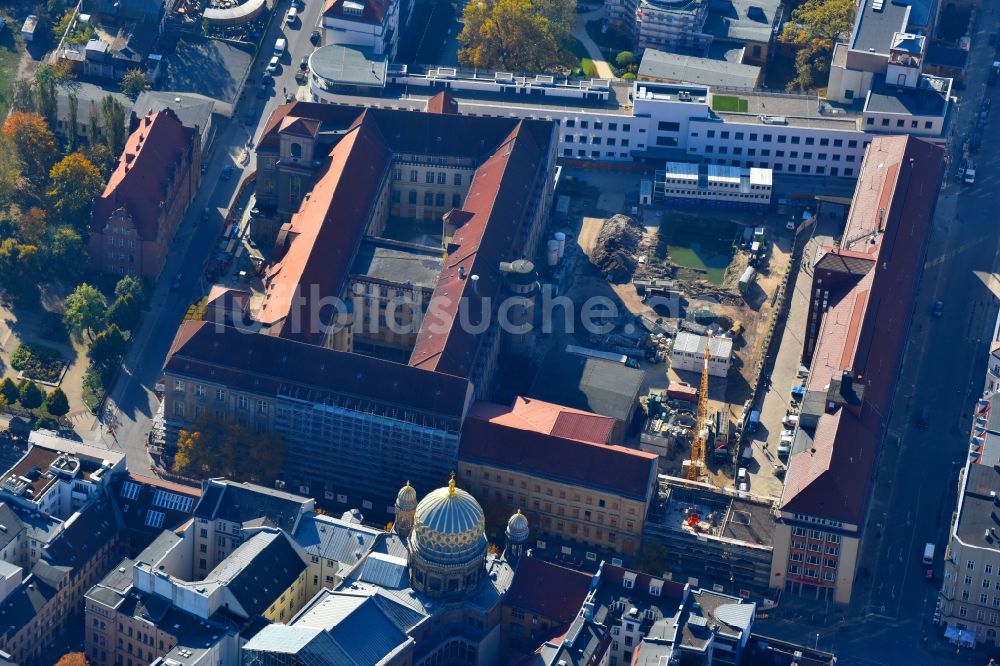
(865, 328)
(548, 590)
(443, 102)
(605, 467)
(547, 418)
(144, 171)
(330, 224)
(499, 198)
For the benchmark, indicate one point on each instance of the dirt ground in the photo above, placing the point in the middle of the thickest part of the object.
(599, 198)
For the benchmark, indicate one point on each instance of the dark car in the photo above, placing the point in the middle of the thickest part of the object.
(177, 282)
(304, 63)
(314, 37)
(938, 310)
(924, 419)
(975, 141)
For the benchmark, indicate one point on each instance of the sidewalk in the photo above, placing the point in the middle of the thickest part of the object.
(580, 32)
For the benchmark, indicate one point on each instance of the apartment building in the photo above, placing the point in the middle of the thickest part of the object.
(157, 176)
(157, 606)
(634, 618)
(334, 547)
(149, 505)
(570, 487)
(369, 24)
(861, 307)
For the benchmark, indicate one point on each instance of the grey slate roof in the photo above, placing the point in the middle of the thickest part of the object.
(976, 516)
(334, 539)
(592, 384)
(911, 101)
(191, 110)
(742, 20)
(24, 603)
(11, 523)
(349, 64)
(243, 502)
(259, 570)
(665, 66)
(92, 529)
(873, 30)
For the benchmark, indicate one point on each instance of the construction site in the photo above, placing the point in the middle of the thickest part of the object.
(697, 289)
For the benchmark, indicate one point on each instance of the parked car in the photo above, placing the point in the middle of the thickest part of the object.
(791, 420)
(938, 310)
(304, 63)
(924, 418)
(315, 37)
(177, 282)
(292, 14)
(975, 140)
(272, 65)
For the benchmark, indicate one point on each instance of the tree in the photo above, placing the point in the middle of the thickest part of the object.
(125, 312)
(94, 121)
(214, 447)
(130, 285)
(72, 132)
(31, 395)
(100, 156)
(72, 658)
(19, 269)
(55, 8)
(9, 391)
(85, 309)
(651, 558)
(45, 93)
(513, 35)
(108, 346)
(22, 96)
(625, 58)
(133, 83)
(113, 122)
(815, 26)
(34, 144)
(67, 255)
(56, 403)
(10, 170)
(32, 225)
(74, 183)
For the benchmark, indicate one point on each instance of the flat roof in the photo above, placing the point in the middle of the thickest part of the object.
(349, 64)
(876, 23)
(692, 69)
(979, 516)
(923, 101)
(397, 262)
(591, 384)
(742, 20)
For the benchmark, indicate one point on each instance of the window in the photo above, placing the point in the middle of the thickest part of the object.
(429, 177)
(899, 123)
(970, 565)
(626, 127)
(569, 138)
(624, 144)
(885, 122)
(413, 175)
(784, 139)
(666, 141)
(428, 199)
(928, 124)
(397, 174)
(596, 141)
(963, 611)
(457, 180)
(456, 201)
(710, 134)
(665, 126)
(613, 127)
(584, 124)
(570, 123)
(611, 142)
(412, 197)
(982, 598)
(583, 138)
(243, 402)
(439, 199)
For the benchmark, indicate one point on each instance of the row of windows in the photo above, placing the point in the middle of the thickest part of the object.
(598, 125)
(582, 138)
(980, 615)
(429, 177)
(815, 534)
(810, 573)
(900, 122)
(595, 154)
(430, 198)
(728, 195)
(793, 154)
(782, 138)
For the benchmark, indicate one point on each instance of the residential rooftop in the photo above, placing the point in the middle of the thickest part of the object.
(665, 66)
(930, 99)
(876, 22)
(398, 263)
(979, 513)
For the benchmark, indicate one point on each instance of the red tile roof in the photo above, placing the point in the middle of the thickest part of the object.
(627, 472)
(443, 102)
(548, 590)
(547, 418)
(329, 225)
(499, 198)
(866, 325)
(373, 12)
(140, 181)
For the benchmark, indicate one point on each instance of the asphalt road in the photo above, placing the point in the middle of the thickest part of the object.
(132, 402)
(943, 370)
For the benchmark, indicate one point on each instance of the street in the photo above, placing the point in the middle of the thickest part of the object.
(132, 401)
(943, 370)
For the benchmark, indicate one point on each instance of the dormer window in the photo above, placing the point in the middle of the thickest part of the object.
(628, 582)
(655, 586)
(353, 8)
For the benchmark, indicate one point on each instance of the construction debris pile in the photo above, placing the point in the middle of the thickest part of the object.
(615, 250)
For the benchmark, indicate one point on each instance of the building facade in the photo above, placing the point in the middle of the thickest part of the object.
(688, 354)
(371, 24)
(134, 220)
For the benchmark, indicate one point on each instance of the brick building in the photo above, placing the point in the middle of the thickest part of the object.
(135, 218)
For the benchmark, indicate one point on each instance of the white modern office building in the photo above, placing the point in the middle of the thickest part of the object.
(613, 120)
(698, 184)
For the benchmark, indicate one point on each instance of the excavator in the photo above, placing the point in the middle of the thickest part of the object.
(696, 465)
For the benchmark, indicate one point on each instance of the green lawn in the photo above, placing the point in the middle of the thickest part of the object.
(702, 241)
(729, 103)
(9, 58)
(577, 56)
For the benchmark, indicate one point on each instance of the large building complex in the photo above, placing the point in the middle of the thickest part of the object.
(408, 224)
(861, 306)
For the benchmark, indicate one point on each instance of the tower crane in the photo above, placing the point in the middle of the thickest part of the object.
(697, 463)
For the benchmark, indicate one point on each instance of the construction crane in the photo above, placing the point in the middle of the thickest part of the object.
(700, 440)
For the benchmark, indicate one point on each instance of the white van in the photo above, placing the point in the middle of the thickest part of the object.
(290, 16)
(279, 47)
(928, 554)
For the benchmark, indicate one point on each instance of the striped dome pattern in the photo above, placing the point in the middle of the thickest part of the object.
(449, 527)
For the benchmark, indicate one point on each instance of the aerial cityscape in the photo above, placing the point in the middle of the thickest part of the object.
(499, 333)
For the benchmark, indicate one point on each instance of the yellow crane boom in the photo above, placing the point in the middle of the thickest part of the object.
(700, 439)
